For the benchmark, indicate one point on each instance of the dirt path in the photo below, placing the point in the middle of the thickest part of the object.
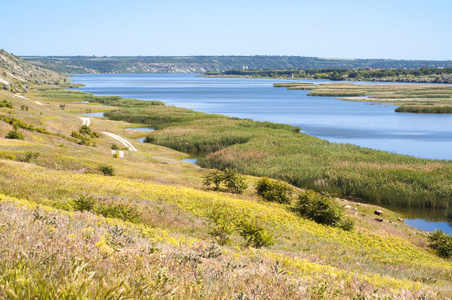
(121, 140)
(86, 121)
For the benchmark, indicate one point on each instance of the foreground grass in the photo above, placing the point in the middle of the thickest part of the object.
(81, 255)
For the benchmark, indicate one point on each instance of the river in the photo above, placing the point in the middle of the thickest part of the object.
(360, 123)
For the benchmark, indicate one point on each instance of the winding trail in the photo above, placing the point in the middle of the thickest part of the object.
(126, 143)
(86, 121)
(121, 140)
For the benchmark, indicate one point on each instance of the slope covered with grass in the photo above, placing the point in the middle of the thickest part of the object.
(67, 230)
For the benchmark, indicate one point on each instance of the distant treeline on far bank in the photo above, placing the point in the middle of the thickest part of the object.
(429, 75)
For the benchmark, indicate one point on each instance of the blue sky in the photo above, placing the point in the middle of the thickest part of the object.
(399, 29)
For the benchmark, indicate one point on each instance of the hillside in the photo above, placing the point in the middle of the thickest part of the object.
(201, 64)
(81, 217)
(17, 75)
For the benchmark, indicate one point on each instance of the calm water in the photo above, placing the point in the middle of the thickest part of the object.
(363, 124)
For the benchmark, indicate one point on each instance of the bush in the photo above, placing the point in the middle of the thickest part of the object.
(230, 178)
(85, 130)
(323, 210)
(114, 147)
(14, 135)
(5, 103)
(274, 190)
(222, 223)
(29, 156)
(83, 203)
(442, 243)
(254, 234)
(119, 211)
(107, 170)
(234, 182)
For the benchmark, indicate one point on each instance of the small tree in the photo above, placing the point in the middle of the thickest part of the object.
(230, 178)
(14, 135)
(274, 190)
(442, 243)
(323, 210)
(254, 234)
(107, 170)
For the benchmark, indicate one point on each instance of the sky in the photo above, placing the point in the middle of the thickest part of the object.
(395, 29)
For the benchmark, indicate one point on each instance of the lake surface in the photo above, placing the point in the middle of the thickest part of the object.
(363, 124)
(359, 123)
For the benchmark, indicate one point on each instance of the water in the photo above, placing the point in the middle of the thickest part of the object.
(191, 160)
(363, 124)
(97, 115)
(142, 129)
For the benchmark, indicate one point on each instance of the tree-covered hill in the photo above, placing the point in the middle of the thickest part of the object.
(200, 64)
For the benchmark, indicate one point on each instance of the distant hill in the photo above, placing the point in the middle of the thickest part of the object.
(200, 64)
(17, 75)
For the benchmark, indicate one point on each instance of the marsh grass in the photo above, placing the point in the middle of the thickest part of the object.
(425, 109)
(278, 151)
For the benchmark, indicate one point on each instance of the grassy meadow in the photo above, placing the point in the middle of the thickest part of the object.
(68, 231)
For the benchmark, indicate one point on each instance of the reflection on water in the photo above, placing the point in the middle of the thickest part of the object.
(425, 219)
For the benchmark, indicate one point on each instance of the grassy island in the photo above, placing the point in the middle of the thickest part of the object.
(425, 109)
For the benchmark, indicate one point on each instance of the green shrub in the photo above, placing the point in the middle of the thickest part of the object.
(5, 103)
(234, 182)
(14, 135)
(83, 203)
(86, 130)
(274, 190)
(442, 243)
(119, 211)
(231, 180)
(114, 147)
(254, 234)
(222, 223)
(107, 170)
(323, 210)
(215, 177)
(29, 156)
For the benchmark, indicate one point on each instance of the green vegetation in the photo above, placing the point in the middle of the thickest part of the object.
(279, 152)
(16, 123)
(5, 103)
(425, 109)
(274, 190)
(107, 170)
(436, 97)
(442, 243)
(416, 74)
(323, 210)
(15, 135)
(228, 178)
(154, 231)
(214, 64)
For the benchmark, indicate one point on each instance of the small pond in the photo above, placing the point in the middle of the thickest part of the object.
(96, 114)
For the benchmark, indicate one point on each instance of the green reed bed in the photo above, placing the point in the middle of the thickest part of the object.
(425, 109)
(280, 152)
